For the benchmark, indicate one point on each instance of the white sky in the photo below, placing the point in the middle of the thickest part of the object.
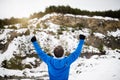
(23, 8)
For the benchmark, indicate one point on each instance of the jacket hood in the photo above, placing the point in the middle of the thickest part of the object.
(58, 63)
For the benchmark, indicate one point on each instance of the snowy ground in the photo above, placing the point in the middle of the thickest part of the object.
(104, 67)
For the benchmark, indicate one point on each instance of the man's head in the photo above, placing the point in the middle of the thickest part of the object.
(58, 51)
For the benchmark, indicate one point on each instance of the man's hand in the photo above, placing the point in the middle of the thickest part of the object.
(33, 39)
(81, 37)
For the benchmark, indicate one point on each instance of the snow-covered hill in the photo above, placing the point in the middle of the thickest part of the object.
(18, 58)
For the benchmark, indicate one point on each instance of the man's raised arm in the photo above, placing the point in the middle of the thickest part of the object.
(73, 56)
(40, 53)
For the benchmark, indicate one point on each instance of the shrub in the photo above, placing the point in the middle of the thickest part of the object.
(2, 27)
(38, 25)
(12, 27)
(100, 47)
(13, 63)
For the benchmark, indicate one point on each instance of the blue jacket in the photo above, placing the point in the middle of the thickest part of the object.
(58, 69)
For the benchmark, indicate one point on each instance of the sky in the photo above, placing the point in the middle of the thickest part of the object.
(23, 8)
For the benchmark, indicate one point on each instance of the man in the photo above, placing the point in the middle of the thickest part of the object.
(58, 66)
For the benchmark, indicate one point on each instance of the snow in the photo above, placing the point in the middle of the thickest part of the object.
(33, 20)
(90, 49)
(99, 35)
(85, 32)
(48, 16)
(95, 17)
(105, 18)
(115, 34)
(18, 25)
(36, 21)
(3, 35)
(23, 30)
(104, 67)
(96, 68)
(9, 52)
(53, 27)
(28, 60)
(9, 72)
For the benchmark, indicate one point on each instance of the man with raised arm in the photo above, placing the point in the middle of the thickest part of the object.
(59, 66)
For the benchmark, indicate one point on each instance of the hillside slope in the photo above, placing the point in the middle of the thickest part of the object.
(100, 55)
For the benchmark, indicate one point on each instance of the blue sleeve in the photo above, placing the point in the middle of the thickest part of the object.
(41, 53)
(73, 56)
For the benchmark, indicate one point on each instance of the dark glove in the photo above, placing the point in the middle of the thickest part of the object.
(33, 39)
(81, 36)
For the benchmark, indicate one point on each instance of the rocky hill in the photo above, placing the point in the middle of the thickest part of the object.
(18, 56)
